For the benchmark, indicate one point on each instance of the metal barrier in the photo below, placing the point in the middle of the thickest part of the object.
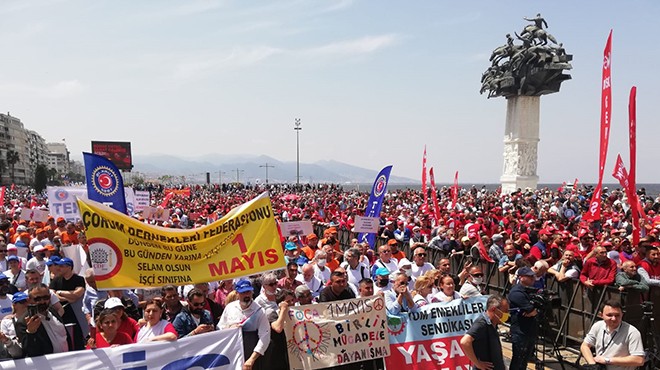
(571, 320)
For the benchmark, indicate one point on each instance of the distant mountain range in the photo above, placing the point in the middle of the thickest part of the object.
(249, 170)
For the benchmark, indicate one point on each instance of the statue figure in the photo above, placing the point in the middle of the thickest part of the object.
(538, 21)
(532, 67)
(537, 33)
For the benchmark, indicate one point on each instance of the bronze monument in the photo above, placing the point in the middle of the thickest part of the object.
(533, 67)
(522, 70)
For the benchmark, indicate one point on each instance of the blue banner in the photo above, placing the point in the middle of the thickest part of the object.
(429, 339)
(104, 182)
(376, 203)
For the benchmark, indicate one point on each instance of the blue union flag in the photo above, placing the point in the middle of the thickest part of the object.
(104, 182)
(378, 190)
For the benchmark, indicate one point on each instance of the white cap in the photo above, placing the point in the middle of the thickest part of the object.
(113, 302)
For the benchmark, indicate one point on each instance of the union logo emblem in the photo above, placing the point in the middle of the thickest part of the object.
(104, 181)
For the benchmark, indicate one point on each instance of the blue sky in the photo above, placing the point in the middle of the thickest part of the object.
(372, 81)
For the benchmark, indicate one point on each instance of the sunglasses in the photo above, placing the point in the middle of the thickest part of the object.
(478, 275)
(272, 284)
(197, 304)
(421, 254)
(42, 298)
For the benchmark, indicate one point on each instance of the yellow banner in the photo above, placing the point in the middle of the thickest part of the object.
(127, 253)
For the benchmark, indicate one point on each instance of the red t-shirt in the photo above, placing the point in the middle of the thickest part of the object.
(120, 338)
(653, 271)
(129, 327)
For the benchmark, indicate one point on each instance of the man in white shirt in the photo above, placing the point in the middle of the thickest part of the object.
(356, 271)
(5, 297)
(382, 281)
(472, 285)
(385, 260)
(618, 345)
(420, 267)
(43, 333)
(15, 274)
(248, 315)
(307, 277)
(37, 262)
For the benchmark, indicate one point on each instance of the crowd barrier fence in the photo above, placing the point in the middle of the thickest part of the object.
(575, 307)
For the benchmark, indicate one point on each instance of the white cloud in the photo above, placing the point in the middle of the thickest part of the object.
(338, 5)
(192, 7)
(205, 63)
(364, 45)
(59, 90)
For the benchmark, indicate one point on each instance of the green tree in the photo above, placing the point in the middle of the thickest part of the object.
(74, 177)
(12, 159)
(40, 178)
(52, 174)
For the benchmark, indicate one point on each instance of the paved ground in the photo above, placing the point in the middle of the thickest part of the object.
(550, 362)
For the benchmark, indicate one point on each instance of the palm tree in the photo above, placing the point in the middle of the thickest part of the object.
(12, 159)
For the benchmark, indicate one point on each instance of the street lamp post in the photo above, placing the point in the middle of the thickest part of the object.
(266, 166)
(220, 173)
(297, 128)
(238, 172)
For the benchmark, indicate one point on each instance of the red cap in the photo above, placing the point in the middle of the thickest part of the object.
(525, 238)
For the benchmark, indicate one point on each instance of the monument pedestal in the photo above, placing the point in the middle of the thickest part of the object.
(521, 138)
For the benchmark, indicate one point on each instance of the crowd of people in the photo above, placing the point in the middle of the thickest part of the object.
(48, 307)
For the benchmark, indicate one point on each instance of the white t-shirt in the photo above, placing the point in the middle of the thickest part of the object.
(418, 271)
(355, 275)
(18, 281)
(324, 275)
(7, 327)
(35, 264)
(5, 306)
(147, 332)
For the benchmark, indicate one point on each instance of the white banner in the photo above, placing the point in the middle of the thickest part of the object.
(78, 256)
(142, 200)
(129, 195)
(221, 349)
(337, 333)
(36, 215)
(62, 202)
(366, 224)
(296, 228)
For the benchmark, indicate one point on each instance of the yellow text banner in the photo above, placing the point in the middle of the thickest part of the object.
(127, 253)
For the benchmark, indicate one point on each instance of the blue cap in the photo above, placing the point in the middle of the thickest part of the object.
(3, 276)
(12, 258)
(52, 261)
(525, 271)
(382, 271)
(65, 262)
(290, 246)
(243, 286)
(19, 297)
(20, 244)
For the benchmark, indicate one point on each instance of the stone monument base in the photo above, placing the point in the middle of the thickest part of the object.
(511, 183)
(521, 138)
